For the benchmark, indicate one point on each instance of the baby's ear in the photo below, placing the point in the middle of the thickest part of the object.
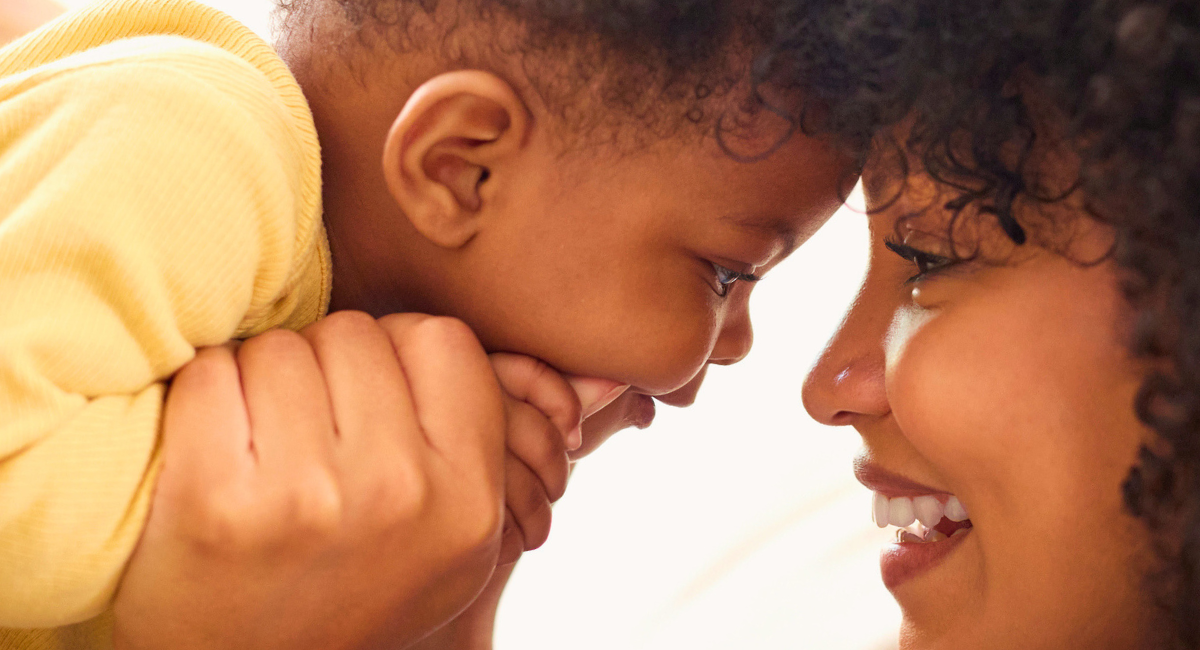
(449, 142)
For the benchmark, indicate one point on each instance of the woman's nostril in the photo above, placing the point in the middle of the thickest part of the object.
(842, 419)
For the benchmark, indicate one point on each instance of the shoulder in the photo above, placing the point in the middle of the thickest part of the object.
(172, 142)
(155, 72)
(188, 103)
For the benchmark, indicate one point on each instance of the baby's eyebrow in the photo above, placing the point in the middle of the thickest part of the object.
(782, 230)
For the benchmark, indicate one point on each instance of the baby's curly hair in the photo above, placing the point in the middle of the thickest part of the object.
(653, 64)
(974, 85)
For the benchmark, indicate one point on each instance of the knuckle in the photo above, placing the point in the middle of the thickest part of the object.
(277, 345)
(398, 498)
(342, 326)
(314, 504)
(481, 524)
(400, 320)
(223, 522)
(522, 370)
(541, 372)
(205, 370)
(446, 332)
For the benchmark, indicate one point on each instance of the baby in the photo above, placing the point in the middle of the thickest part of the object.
(590, 184)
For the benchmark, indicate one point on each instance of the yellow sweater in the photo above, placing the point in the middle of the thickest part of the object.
(159, 191)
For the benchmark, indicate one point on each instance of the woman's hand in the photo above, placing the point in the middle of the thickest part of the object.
(337, 489)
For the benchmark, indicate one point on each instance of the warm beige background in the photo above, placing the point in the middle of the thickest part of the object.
(732, 525)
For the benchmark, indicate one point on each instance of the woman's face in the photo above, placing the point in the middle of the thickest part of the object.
(1007, 385)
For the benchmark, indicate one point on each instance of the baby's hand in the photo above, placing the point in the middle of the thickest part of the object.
(327, 490)
(545, 411)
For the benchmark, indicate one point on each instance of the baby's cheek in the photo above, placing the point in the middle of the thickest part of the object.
(667, 361)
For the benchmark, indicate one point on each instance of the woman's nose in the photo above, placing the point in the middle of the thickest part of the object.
(839, 391)
(847, 382)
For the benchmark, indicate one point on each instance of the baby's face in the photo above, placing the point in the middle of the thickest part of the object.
(635, 267)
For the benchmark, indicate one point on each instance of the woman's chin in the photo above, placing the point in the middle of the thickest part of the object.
(936, 590)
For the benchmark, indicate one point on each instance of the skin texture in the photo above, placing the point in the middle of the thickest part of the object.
(20, 16)
(598, 262)
(296, 465)
(455, 193)
(1007, 382)
(299, 464)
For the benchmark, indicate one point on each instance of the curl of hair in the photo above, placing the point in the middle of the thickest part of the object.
(652, 63)
(1121, 79)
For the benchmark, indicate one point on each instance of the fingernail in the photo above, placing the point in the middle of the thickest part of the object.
(594, 394)
(609, 398)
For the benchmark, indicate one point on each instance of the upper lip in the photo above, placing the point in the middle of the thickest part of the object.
(890, 484)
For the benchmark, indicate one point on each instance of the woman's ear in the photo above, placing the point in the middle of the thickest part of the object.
(445, 147)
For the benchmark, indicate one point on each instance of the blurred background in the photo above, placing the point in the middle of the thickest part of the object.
(733, 524)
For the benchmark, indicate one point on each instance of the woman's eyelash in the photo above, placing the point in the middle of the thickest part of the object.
(727, 278)
(927, 263)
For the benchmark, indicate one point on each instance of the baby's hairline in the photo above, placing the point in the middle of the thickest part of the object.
(636, 102)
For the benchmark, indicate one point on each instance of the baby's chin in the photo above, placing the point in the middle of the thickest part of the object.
(632, 409)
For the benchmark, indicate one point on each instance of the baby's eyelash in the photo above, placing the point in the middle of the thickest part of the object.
(727, 278)
(927, 263)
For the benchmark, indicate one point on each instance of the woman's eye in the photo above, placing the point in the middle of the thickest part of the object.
(927, 263)
(726, 278)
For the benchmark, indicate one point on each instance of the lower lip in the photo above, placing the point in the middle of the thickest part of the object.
(641, 411)
(900, 563)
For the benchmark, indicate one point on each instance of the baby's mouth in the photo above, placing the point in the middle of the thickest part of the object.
(921, 519)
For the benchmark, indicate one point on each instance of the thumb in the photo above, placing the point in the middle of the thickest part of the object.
(594, 394)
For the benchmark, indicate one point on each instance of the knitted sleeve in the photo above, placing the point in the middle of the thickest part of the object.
(147, 207)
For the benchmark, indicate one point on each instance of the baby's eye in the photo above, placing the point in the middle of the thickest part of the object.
(727, 278)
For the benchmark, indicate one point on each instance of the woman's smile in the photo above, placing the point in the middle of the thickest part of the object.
(992, 398)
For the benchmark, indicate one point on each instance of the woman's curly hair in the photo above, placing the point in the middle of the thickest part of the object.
(968, 83)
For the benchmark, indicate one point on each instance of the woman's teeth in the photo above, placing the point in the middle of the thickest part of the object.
(916, 517)
(904, 535)
(929, 510)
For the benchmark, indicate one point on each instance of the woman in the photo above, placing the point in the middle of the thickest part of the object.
(1023, 362)
(1024, 342)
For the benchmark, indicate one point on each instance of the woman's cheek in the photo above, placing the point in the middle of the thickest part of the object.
(943, 395)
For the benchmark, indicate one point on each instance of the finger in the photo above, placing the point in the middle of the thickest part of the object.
(532, 381)
(454, 391)
(595, 394)
(539, 445)
(286, 398)
(527, 501)
(600, 426)
(368, 394)
(512, 543)
(206, 430)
